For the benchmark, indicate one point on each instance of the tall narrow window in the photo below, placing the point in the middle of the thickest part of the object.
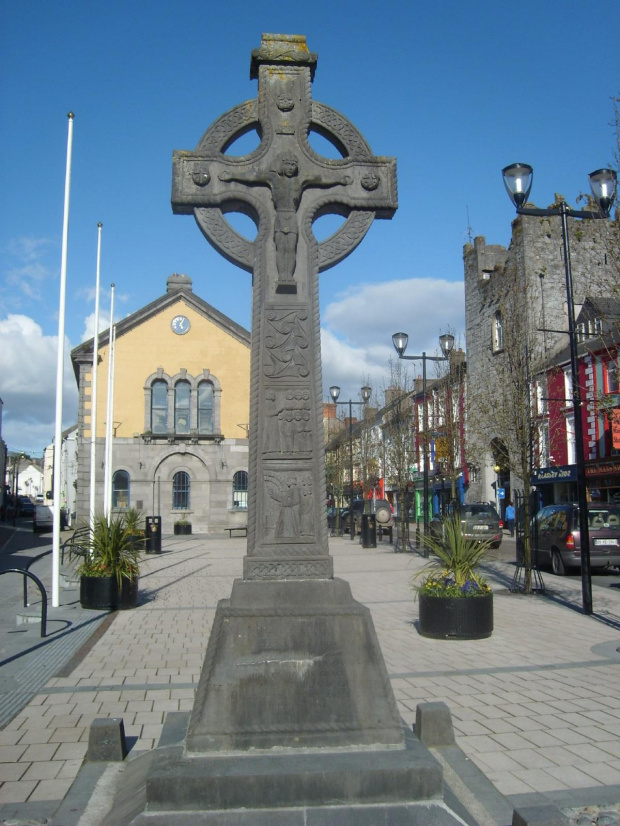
(181, 407)
(180, 491)
(568, 386)
(240, 490)
(539, 398)
(571, 453)
(159, 407)
(120, 490)
(611, 376)
(498, 332)
(205, 407)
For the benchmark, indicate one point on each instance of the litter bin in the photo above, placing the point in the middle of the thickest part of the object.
(369, 530)
(153, 534)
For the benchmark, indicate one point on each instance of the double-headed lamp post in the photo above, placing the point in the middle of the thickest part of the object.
(518, 183)
(366, 392)
(446, 342)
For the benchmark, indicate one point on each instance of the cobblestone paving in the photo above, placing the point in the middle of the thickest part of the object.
(594, 816)
(536, 707)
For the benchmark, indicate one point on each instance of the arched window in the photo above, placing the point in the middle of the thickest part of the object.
(205, 407)
(120, 490)
(240, 490)
(182, 391)
(180, 491)
(159, 407)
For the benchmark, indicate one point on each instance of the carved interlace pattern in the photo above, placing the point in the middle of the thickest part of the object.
(351, 233)
(343, 242)
(331, 120)
(231, 125)
(224, 238)
(286, 341)
(287, 569)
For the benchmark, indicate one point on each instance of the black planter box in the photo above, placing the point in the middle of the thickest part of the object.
(182, 529)
(103, 594)
(456, 618)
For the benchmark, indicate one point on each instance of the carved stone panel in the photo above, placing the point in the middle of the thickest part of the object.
(288, 506)
(286, 343)
(287, 429)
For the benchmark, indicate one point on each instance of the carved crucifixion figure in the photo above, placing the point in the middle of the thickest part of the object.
(284, 185)
(287, 187)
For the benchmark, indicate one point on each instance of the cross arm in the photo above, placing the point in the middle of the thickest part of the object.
(202, 180)
(368, 185)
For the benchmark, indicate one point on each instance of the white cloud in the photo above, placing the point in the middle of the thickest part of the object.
(89, 324)
(356, 336)
(104, 310)
(28, 384)
(29, 272)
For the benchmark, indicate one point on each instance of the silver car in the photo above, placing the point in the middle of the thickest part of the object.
(479, 521)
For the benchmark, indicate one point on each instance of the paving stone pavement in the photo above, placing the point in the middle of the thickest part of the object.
(535, 708)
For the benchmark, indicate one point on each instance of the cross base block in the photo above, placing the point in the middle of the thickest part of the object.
(293, 664)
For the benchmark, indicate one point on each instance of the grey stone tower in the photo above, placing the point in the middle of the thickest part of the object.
(532, 269)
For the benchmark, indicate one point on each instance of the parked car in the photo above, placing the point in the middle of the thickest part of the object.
(43, 518)
(555, 536)
(380, 507)
(25, 506)
(334, 516)
(479, 521)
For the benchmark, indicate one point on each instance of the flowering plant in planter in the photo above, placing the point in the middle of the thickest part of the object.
(111, 550)
(456, 602)
(452, 569)
(443, 584)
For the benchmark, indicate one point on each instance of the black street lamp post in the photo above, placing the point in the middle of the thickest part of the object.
(16, 462)
(446, 341)
(366, 392)
(518, 183)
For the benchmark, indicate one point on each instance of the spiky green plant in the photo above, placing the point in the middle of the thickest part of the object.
(134, 521)
(111, 550)
(452, 568)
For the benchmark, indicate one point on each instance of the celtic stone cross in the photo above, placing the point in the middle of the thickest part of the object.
(284, 185)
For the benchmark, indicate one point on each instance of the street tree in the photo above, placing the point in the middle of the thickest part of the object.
(399, 434)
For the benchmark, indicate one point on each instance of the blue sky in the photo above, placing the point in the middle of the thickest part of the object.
(455, 90)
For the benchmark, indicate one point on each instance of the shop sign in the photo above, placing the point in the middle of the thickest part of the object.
(548, 475)
(442, 448)
(603, 469)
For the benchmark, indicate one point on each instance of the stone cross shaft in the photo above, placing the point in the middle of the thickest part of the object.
(284, 185)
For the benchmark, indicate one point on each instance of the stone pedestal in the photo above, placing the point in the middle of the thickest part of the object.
(293, 664)
(294, 711)
(288, 787)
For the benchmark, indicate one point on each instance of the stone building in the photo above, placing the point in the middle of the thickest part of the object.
(180, 413)
(515, 316)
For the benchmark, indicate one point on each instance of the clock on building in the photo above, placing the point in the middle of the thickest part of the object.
(180, 324)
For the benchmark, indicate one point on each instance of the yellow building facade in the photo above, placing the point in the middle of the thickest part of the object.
(180, 379)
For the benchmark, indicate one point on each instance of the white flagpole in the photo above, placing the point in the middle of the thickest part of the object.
(112, 431)
(93, 385)
(108, 424)
(59, 377)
